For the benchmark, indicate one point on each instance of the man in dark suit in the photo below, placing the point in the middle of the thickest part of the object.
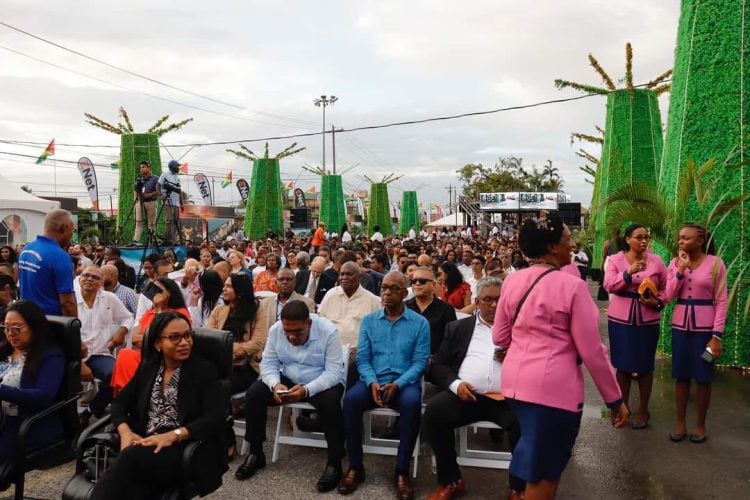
(312, 283)
(467, 370)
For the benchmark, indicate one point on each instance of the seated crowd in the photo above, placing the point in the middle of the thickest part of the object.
(416, 318)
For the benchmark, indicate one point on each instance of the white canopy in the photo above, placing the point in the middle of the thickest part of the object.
(456, 219)
(21, 214)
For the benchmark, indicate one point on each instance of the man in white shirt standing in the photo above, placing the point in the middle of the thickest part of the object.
(105, 322)
(346, 305)
(377, 235)
(581, 260)
(467, 369)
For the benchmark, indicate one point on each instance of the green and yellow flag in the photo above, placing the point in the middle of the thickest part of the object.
(227, 180)
(49, 150)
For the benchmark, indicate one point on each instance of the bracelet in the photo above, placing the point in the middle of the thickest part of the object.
(717, 338)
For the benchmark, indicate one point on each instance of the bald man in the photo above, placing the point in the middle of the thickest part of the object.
(126, 295)
(312, 283)
(224, 270)
(424, 260)
(187, 279)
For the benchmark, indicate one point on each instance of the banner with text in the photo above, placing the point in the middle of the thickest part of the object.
(498, 201)
(88, 174)
(204, 187)
(244, 188)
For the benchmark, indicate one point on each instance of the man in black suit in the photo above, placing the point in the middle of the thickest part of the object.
(467, 370)
(312, 283)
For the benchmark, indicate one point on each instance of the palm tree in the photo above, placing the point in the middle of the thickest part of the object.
(550, 172)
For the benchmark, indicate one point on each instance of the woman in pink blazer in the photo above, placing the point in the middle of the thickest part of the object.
(698, 281)
(548, 332)
(633, 319)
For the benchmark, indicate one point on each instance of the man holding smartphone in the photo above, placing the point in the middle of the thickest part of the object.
(302, 361)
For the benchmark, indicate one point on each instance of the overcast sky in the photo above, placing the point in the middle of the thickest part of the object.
(385, 60)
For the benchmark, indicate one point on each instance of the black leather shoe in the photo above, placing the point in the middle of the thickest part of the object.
(309, 423)
(330, 478)
(251, 465)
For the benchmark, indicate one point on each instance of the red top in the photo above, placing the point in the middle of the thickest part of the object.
(457, 297)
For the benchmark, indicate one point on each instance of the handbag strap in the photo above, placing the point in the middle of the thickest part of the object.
(526, 295)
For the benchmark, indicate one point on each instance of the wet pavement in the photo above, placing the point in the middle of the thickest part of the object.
(606, 464)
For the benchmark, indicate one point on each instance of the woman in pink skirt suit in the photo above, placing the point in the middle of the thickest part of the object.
(548, 336)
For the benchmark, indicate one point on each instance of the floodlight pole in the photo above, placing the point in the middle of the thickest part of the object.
(323, 102)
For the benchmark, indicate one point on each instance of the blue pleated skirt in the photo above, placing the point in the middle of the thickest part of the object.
(632, 348)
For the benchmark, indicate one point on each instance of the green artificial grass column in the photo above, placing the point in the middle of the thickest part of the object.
(332, 208)
(708, 118)
(631, 151)
(379, 213)
(264, 202)
(135, 148)
(409, 212)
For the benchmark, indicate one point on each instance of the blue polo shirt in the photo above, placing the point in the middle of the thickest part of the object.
(45, 270)
(391, 351)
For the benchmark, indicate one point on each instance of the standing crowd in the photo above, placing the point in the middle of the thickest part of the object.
(492, 327)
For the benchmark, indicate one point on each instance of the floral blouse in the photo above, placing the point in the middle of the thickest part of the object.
(10, 375)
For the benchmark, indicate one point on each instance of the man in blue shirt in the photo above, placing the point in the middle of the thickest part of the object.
(392, 355)
(45, 270)
(307, 349)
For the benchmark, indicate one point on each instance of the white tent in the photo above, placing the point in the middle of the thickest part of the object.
(21, 214)
(456, 219)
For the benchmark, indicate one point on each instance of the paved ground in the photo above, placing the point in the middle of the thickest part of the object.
(607, 464)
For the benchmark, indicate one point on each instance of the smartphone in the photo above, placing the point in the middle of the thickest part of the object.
(280, 393)
(707, 355)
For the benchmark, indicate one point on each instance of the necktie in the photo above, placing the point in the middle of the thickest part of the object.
(312, 288)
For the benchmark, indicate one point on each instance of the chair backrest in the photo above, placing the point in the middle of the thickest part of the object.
(215, 346)
(67, 331)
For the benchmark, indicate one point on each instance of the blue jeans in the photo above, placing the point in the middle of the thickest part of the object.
(407, 401)
(102, 367)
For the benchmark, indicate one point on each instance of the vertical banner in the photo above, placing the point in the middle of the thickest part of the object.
(204, 188)
(299, 198)
(244, 188)
(88, 174)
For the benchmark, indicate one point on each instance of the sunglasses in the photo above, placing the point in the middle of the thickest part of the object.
(421, 281)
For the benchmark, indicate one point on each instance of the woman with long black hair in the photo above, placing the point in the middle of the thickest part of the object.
(210, 294)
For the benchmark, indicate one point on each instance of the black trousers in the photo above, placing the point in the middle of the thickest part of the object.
(446, 412)
(328, 404)
(138, 471)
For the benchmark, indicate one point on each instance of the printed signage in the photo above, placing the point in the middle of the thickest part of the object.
(88, 174)
(204, 187)
(498, 201)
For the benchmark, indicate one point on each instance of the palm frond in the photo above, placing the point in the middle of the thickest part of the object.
(607, 80)
(663, 88)
(629, 66)
(126, 118)
(589, 89)
(175, 126)
(724, 206)
(586, 137)
(158, 124)
(98, 122)
(656, 81)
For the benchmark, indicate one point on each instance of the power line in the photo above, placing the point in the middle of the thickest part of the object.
(153, 96)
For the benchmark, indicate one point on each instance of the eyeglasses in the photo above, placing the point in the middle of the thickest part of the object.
(390, 289)
(14, 329)
(421, 281)
(92, 277)
(176, 338)
(489, 300)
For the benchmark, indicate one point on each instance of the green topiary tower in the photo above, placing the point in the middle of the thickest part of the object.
(379, 211)
(632, 138)
(709, 115)
(332, 205)
(409, 212)
(134, 148)
(265, 202)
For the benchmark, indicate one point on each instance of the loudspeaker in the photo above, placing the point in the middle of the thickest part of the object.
(570, 213)
(299, 218)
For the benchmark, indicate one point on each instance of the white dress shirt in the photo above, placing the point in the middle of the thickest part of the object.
(479, 367)
(99, 322)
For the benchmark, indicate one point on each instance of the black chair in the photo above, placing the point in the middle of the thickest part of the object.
(68, 332)
(215, 346)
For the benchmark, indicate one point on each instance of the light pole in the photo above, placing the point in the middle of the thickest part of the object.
(323, 102)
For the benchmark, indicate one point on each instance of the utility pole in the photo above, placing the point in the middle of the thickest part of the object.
(450, 196)
(333, 147)
(323, 102)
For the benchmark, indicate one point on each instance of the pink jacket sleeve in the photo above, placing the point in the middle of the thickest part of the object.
(720, 298)
(614, 281)
(584, 327)
(673, 284)
(501, 327)
(661, 273)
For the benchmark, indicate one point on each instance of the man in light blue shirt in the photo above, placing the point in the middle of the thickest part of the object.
(392, 355)
(302, 361)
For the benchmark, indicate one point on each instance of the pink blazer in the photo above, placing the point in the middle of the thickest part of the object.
(624, 306)
(557, 328)
(701, 296)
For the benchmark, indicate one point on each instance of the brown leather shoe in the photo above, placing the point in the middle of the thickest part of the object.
(404, 490)
(351, 480)
(448, 491)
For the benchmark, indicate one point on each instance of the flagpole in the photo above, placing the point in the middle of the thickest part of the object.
(54, 169)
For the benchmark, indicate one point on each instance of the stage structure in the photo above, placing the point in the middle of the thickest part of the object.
(135, 148)
(265, 202)
(632, 137)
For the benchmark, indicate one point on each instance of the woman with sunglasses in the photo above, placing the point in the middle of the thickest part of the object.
(635, 279)
(166, 296)
(173, 399)
(31, 369)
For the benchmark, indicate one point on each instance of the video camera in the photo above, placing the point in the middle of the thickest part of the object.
(139, 183)
(171, 187)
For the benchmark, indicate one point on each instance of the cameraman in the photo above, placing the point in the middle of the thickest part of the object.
(145, 194)
(169, 189)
